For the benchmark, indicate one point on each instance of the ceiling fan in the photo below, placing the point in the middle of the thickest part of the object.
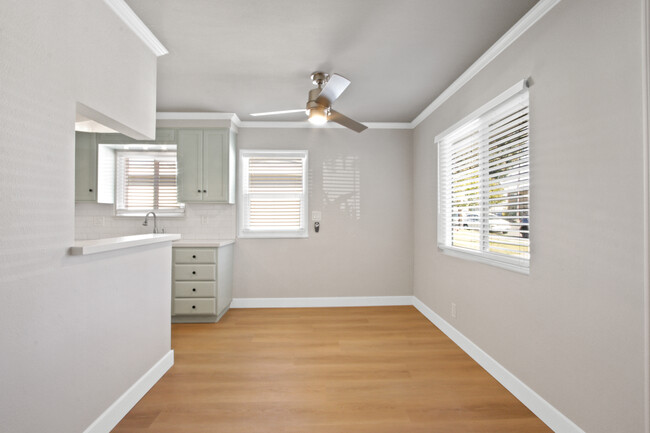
(319, 106)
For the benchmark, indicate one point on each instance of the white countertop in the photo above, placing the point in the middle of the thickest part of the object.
(82, 248)
(203, 243)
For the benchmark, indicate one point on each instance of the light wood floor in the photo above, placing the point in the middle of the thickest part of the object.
(324, 370)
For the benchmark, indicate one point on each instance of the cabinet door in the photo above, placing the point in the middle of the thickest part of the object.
(215, 165)
(189, 154)
(85, 168)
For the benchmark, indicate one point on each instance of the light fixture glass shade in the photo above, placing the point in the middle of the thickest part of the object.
(318, 116)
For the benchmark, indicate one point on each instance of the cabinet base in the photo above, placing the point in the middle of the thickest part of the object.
(200, 319)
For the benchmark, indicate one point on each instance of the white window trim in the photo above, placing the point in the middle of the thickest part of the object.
(160, 213)
(510, 263)
(303, 232)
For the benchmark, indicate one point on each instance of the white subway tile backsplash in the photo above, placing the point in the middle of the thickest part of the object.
(201, 221)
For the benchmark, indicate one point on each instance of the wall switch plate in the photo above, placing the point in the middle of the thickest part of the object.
(316, 215)
(204, 220)
(98, 221)
(453, 310)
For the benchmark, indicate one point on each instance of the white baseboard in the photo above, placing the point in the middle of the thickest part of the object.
(540, 407)
(115, 412)
(344, 301)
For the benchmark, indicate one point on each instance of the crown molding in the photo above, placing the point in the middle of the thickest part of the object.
(329, 125)
(171, 115)
(132, 21)
(527, 21)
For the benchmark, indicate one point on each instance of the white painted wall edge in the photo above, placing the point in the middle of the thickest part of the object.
(118, 410)
(133, 22)
(552, 417)
(645, 65)
(520, 27)
(344, 301)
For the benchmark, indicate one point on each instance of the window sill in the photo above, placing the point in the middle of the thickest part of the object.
(273, 235)
(482, 258)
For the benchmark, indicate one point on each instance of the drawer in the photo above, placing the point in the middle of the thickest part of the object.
(195, 289)
(195, 272)
(195, 255)
(194, 307)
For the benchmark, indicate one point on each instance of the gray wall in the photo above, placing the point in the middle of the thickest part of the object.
(76, 332)
(573, 329)
(362, 183)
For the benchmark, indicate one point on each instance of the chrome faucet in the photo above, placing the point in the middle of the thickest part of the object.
(155, 221)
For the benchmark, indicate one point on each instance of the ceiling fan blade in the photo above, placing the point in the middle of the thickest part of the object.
(341, 119)
(270, 113)
(335, 85)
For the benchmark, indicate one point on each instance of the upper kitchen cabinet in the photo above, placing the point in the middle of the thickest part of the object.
(206, 165)
(85, 169)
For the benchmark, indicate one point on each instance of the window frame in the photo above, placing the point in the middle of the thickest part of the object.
(119, 183)
(243, 197)
(445, 220)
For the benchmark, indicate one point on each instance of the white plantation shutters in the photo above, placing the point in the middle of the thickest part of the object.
(146, 181)
(483, 184)
(273, 194)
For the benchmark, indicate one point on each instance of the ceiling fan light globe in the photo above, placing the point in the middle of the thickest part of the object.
(318, 116)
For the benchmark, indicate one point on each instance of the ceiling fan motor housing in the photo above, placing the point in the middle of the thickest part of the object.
(311, 102)
(319, 78)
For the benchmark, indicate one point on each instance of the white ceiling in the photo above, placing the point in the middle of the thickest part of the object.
(245, 56)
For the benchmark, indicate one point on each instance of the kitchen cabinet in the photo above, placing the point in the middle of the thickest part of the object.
(85, 168)
(206, 165)
(201, 281)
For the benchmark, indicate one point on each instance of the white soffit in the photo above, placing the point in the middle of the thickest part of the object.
(133, 22)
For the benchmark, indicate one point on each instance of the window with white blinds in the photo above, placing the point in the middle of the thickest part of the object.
(146, 181)
(273, 194)
(483, 184)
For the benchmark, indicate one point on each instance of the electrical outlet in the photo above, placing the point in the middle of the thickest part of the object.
(98, 221)
(204, 220)
(453, 310)
(316, 215)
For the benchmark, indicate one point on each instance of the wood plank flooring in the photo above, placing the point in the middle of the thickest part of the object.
(324, 370)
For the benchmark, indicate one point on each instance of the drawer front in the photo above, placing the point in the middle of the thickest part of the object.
(195, 289)
(195, 272)
(195, 307)
(195, 255)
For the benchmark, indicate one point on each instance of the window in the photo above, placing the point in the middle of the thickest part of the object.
(146, 181)
(273, 194)
(483, 184)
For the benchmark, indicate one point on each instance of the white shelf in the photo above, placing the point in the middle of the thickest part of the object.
(82, 248)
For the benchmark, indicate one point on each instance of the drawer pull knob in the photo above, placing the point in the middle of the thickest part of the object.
(193, 307)
(193, 272)
(194, 256)
(194, 290)
(198, 190)
(205, 190)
